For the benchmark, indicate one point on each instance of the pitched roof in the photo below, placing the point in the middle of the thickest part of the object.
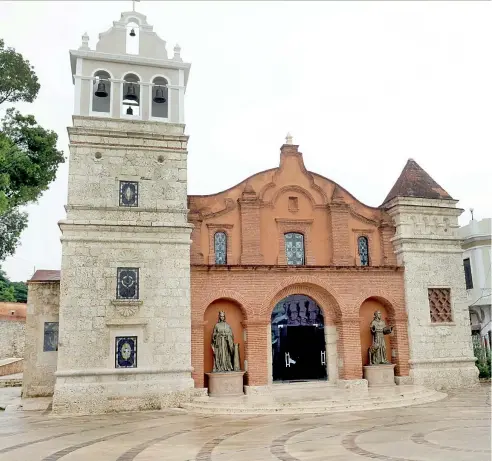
(45, 276)
(415, 182)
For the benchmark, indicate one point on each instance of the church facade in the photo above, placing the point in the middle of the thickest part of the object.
(298, 265)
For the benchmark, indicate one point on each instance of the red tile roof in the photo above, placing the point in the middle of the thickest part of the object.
(45, 276)
(415, 182)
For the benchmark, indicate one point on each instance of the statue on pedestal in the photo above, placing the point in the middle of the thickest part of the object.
(377, 352)
(225, 351)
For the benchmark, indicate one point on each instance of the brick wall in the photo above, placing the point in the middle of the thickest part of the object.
(339, 291)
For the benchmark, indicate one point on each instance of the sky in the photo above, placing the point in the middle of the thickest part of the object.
(362, 87)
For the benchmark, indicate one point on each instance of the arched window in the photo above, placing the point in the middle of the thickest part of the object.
(363, 247)
(294, 248)
(220, 247)
(101, 92)
(159, 99)
(132, 38)
(130, 97)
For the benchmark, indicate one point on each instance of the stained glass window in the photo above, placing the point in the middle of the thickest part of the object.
(50, 343)
(128, 193)
(294, 248)
(126, 352)
(127, 283)
(220, 248)
(363, 245)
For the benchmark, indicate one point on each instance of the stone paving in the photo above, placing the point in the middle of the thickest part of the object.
(454, 429)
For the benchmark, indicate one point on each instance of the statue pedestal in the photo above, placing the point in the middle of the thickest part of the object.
(380, 375)
(226, 384)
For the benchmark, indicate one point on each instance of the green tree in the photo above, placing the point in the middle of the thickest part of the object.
(7, 294)
(29, 158)
(12, 291)
(18, 82)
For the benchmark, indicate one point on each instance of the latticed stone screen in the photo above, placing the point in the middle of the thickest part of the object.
(440, 305)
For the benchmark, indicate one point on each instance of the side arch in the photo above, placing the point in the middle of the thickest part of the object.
(395, 309)
(216, 295)
(397, 318)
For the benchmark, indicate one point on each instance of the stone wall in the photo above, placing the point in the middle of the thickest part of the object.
(12, 334)
(427, 244)
(100, 236)
(39, 370)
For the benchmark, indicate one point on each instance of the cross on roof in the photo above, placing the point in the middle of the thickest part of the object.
(134, 1)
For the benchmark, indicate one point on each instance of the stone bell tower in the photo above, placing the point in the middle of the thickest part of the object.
(125, 326)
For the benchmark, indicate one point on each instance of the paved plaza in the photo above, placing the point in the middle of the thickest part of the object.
(454, 429)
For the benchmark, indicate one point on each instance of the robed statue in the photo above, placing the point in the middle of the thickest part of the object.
(377, 352)
(226, 354)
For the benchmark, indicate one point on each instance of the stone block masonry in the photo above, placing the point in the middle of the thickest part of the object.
(427, 244)
(40, 364)
(99, 237)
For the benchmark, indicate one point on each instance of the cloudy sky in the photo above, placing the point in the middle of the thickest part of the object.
(362, 86)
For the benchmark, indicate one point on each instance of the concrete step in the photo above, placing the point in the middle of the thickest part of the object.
(246, 405)
(14, 380)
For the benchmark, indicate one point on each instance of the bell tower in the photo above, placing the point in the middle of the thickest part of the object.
(125, 325)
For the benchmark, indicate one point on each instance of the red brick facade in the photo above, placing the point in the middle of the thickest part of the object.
(255, 215)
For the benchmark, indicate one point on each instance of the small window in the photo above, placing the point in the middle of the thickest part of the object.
(101, 92)
(440, 305)
(363, 248)
(468, 273)
(159, 98)
(127, 283)
(129, 193)
(294, 249)
(220, 247)
(126, 352)
(50, 343)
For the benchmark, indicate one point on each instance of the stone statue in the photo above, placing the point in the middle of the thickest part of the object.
(223, 345)
(377, 352)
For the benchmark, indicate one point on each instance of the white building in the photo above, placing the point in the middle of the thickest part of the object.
(476, 239)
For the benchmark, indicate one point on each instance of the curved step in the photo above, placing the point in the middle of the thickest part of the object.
(247, 406)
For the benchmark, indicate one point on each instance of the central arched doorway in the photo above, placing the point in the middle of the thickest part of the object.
(298, 340)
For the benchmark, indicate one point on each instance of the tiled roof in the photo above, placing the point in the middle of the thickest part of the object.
(415, 182)
(45, 276)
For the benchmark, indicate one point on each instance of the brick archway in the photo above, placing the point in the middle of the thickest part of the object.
(309, 286)
(331, 313)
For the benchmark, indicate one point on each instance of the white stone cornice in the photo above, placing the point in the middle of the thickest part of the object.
(129, 59)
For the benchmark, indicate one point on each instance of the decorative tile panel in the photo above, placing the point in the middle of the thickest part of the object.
(294, 248)
(363, 247)
(440, 305)
(126, 352)
(220, 247)
(50, 336)
(129, 193)
(127, 283)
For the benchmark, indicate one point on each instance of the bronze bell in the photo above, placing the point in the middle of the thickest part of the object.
(129, 111)
(132, 33)
(131, 94)
(159, 96)
(101, 90)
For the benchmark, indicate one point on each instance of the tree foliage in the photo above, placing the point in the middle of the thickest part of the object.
(18, 82)
(12, 291)
(29, 158)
